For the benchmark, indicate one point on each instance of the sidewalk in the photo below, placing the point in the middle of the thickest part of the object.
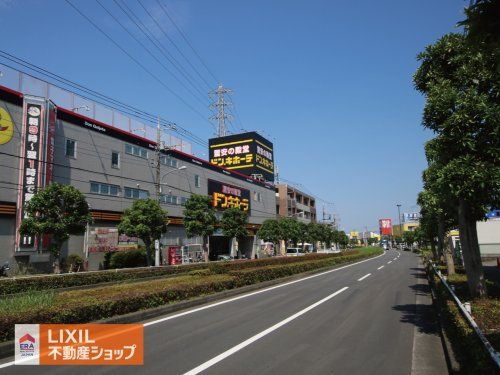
(428, 357)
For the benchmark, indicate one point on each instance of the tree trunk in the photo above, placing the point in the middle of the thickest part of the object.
(470, 250)
(433, 249)
(205, 248)
(441, 233)
(147, 244)
(448, 256)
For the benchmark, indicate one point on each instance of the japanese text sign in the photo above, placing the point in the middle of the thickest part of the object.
(79, 344)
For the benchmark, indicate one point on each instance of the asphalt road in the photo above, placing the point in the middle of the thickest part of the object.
(338, 322)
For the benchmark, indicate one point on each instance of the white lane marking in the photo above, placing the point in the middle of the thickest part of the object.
(380, 267)
(389, 262)
(364, 277)
(260, 335)
(7, 364)
(395, 258)
(253, 293)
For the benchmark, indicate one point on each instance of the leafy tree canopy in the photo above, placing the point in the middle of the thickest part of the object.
(199, 216)
(59, 211)
(233, 223)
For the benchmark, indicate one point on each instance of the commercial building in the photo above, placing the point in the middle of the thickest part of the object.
(291, 202)
(398, 230)
(42, 143)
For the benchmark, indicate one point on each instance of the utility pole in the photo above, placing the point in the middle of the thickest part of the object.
(221, 104)
(399, 219)
(157, 161)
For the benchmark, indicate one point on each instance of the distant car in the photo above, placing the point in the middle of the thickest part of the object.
(294, 252)
(224, 257)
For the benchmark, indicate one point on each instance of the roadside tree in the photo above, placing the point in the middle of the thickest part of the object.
(57, 211)
(461, 87)
(289, 230)
(145, 220)
(270, 231)
(233, 224)
(200, 219)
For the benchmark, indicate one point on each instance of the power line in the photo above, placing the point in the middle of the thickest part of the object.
(148, 51)
(165, 10)
(173, 43)
(108, 101)
(136, 61)
(154, 41)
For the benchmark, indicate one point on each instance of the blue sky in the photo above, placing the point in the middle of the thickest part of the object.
(328, 81)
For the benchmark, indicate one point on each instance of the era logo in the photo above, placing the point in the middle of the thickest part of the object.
(27, 343)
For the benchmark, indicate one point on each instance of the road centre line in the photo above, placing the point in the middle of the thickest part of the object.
(389, 262)
(364, 277)
(254, 293)
(380, 267)
(260, 335)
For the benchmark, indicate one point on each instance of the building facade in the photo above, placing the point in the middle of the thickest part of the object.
(112, 168)
(291, 202)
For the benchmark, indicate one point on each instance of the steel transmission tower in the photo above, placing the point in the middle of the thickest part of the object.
(220, 105)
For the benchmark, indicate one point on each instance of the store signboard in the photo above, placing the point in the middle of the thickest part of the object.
(248, 153)
(102, 240)
(225, 196)
(385, 226)
(31, 161)
(411, 217)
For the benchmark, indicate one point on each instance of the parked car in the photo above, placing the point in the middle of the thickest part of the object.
(224, 257)
(294, 252)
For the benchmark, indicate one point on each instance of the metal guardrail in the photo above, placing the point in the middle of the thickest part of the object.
(495, 356)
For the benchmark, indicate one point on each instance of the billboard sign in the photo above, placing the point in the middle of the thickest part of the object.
(248, 153)
(385, 226)
(225, 196)
(32, 158)
(411, 217)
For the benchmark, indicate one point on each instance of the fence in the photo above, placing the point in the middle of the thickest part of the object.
(495, 356)
(28, 84)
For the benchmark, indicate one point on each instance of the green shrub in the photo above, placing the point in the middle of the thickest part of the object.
(128, 259)
(81, 306)
(467, 347)
(47, 282)
(74, 262)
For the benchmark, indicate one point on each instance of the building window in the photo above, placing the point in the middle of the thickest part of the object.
(183, 201)
(257, 196)
(136, 193)
(71, 148)
(169, 161)
(104, 189)
(197, 181)
(115, 159)
(136, 151)
(169, 199)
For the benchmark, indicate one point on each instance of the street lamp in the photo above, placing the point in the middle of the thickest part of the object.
(399, 220)
(181, 168)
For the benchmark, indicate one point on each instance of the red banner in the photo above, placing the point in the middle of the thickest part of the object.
(385, 226)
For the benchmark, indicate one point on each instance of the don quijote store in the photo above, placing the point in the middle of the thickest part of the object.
(41, 142)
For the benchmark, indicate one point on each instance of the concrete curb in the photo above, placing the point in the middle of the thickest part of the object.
(7, 347)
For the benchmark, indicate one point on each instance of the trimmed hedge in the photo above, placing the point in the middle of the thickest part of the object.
(100, 303)
(82, 306)
(47, 282)
(467, 347)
